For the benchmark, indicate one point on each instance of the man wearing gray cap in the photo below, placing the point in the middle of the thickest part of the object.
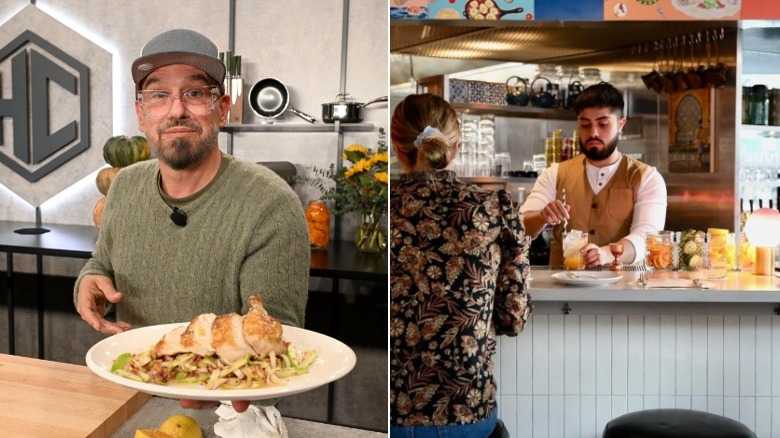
(193, 231)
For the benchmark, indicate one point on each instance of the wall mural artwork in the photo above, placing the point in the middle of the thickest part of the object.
(672, 9)
(462, 9)
(691, 131)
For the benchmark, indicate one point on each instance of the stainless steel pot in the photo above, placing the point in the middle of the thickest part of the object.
(345, 109)
(269, 98)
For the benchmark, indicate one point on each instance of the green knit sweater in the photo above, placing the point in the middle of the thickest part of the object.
(246, 233)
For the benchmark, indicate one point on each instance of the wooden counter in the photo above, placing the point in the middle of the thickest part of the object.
(51, 399)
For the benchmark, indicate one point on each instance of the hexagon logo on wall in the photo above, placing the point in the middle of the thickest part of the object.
(51, 107)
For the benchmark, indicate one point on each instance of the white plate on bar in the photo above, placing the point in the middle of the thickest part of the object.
(334, 360)
(587, 278)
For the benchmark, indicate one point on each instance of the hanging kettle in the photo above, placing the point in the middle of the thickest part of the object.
(542, 98)
(515, 96)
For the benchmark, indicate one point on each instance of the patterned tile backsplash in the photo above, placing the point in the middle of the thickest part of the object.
(459, 91)
(462, 91)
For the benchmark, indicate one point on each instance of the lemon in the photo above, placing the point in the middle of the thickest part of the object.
(151, 433)
(181, 426)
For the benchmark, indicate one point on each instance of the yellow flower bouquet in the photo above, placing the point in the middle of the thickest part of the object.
(360, 187)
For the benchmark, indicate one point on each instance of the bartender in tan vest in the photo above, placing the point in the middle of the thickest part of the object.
(609, 196)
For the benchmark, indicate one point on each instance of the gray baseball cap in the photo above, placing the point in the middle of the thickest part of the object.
(179, 46)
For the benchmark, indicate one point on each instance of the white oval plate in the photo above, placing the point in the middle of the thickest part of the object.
(587, 278)
(334, 360)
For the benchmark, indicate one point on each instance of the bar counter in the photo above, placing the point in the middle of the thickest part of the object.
(736, 287)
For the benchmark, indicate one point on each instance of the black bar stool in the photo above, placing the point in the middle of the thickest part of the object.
(675, 423)
(500, 431)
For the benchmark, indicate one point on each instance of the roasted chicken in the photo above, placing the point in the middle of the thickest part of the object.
(262, 331)
(198, 337)
(230, 336)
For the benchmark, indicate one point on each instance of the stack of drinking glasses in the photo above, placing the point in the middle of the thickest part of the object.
(486, 147)
(468, 146)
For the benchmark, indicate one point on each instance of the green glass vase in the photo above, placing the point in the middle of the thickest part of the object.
(369, 237)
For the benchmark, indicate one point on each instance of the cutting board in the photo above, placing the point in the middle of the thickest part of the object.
(41, 398)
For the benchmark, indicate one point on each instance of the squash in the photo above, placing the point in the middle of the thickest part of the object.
(105, 177)
(121, 151)
(97, 212)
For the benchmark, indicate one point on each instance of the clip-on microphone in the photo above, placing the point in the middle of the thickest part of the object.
(179, 217)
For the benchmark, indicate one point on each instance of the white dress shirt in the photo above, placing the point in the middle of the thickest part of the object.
(649, 205)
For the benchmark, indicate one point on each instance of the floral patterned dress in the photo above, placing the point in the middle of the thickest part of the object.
(458, 264)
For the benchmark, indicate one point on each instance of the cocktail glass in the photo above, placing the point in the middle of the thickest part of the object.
(572, 244)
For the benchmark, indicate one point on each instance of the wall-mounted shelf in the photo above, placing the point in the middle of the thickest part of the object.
(515, 111)
(299, 127)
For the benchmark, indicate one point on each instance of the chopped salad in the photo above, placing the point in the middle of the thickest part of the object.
(212, 372)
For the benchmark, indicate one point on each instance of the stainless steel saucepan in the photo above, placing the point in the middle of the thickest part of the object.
(345, 109)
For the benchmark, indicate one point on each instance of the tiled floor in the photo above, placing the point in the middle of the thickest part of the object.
(360, 398)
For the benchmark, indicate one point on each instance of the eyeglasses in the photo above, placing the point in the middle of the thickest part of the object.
(198, 101)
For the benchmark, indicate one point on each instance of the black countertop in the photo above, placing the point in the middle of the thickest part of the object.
(340, 260)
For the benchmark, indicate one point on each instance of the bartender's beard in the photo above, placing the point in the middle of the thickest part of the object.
(595, 154)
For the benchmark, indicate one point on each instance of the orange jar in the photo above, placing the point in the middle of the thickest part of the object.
(318, 220)
(659, 252)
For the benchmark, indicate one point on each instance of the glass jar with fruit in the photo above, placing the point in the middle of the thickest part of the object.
(722, 252)
(691, 250)
(659, 251)
(747, 255)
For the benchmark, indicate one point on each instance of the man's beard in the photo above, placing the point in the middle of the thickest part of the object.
(599, 155)
(182, 153)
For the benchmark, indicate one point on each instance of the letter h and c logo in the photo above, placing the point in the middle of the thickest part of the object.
(36, 65)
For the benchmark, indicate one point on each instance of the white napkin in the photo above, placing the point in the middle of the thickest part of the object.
(678, 283)
(255, 422)
(661, 283)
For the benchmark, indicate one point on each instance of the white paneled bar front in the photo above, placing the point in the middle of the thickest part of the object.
(587, 369)
(621, 350)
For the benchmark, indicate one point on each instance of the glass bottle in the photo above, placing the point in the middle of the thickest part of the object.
(759, 105)
(568, 149)
(318, 221)
(746, 92)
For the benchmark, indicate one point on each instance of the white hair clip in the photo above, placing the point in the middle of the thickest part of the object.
(427, 132)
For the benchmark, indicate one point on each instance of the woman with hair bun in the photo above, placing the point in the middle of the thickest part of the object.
(458, 269)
